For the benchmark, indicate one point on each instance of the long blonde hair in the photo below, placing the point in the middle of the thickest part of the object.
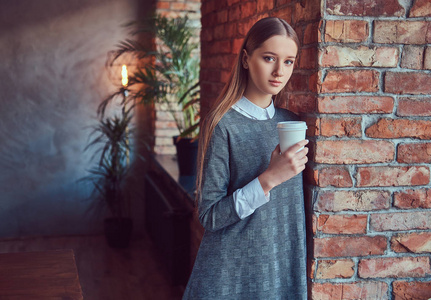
(237, 83)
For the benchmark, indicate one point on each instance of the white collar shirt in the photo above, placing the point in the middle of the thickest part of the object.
(252, 111)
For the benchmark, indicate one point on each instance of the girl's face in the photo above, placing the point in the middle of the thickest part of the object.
(269, 68)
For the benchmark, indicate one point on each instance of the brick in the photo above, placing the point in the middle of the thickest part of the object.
(170, 14)
(355, 104)
(310, 175)
(427, 59)
(226, 61)
(393, 176)
(298, 82)
(307, 11)
(412, 57)
(402, 32)
(224, 76)
(308, 58)
(362, 56)
(412, 242)
(163, 141)
(408, 199)
(210, 75)
(313, 126)
(222, 16)
(163, 5)
(210, 89)
(230, 31)
(248, 9)
(168, 132)
(245, 25)
(420, 8)
(408, 290)
(179, 6)
(414, 153)
(206, 36)
(410, 106)
(209, 21)
(263, 6)
(342, 224)
(207, 7)
(311, 268)
(346, 31)
(353, 81)
(219, 33)
(284, 13)
(236, 45)
(329, 269)
(165, 125)
(400, 128)
(365, 8)
(281, 2)
(165, 150)
(334, 176)
(354, 152)
(302, 103)
(234, 13)
(311, 33)
(349, 246)
(340, 127)
(163, 115)
(401, 221)
(368, 200)
(221, 47)
(407, 83)
(394, 267)
(312, 81)
(366, 290)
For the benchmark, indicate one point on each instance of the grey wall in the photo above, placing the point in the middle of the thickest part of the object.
(52, 77)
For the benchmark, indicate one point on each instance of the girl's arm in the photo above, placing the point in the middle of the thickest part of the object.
(216, 206)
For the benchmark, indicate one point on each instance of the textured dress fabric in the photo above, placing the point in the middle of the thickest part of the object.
(264, 255)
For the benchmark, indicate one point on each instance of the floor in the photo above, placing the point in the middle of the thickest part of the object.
(135, 273)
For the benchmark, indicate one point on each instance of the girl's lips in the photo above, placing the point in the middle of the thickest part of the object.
(275, 82)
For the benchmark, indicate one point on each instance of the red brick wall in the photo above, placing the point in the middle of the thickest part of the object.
(363, 84)
(371, 170)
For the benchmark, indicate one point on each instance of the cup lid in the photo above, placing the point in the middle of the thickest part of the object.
(292, 125)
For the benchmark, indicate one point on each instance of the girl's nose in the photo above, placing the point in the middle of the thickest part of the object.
(279, 70)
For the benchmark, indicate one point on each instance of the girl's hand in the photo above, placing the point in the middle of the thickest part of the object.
(284, 166)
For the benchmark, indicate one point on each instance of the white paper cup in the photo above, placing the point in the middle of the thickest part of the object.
(290, 133)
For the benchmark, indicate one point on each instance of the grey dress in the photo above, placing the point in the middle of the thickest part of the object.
(264, 255)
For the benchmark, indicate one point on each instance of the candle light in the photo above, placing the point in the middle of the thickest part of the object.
(124, 79)
(124, 76)
(125, 82)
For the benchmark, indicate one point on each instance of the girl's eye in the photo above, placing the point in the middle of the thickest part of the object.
(289, 62)
(269, 58)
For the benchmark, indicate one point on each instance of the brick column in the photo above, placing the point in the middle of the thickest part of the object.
(362, 84)
(371, 171)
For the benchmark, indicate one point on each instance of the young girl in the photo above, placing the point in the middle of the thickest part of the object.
(250, 197)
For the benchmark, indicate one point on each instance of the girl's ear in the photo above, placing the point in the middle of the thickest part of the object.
(244, 59)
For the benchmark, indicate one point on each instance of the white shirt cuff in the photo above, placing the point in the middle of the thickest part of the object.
(249, 198)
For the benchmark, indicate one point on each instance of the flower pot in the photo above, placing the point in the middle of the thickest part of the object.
(118, 232)
(187, 152)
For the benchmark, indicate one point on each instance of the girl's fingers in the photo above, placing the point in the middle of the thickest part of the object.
(277, 149)
(295, 148)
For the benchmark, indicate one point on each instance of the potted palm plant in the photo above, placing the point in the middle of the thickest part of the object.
(170, 78)
(110, 176)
